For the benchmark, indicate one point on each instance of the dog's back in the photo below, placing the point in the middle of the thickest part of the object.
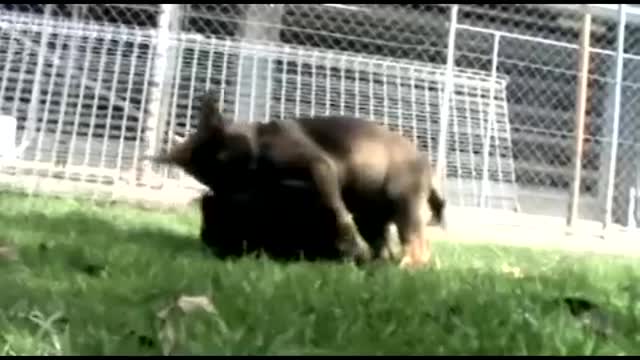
(369, 158)
(366, 151)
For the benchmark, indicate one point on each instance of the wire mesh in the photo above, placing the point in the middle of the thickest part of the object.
(539, 52)
(78, 109)
(93, 87)
(626, 175)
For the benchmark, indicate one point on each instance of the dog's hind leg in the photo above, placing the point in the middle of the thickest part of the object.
(411, 220)
(392, 248)
(380, 233)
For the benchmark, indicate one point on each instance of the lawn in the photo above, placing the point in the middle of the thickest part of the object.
(93, 280)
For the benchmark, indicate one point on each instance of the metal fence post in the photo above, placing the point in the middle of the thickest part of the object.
(261, 24)
(441, 166)
(31, 122)
(491, 123)
(581, 102)
(160, 67)
(622, 19)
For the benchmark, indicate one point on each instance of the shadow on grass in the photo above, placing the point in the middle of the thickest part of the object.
(103, 232)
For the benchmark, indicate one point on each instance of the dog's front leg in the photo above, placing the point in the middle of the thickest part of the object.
(285, 146)
(350, 242)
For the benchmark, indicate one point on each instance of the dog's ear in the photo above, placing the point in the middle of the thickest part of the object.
(211, 123)
(211, 119)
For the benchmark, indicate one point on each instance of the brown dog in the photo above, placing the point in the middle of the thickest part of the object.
(356, 166)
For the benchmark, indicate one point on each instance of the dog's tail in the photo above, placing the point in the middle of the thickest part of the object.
(437, 204)
(436, 200)
(210, 114)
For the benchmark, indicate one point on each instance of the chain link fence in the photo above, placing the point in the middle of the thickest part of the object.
(94, 87)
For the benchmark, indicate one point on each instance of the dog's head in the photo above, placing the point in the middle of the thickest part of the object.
(215, 149)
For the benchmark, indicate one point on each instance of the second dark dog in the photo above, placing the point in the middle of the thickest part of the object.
(296, 227)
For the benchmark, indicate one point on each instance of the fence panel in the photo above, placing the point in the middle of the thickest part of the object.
(93, 87)
(264, 81)
(78, 94)
(626, 176)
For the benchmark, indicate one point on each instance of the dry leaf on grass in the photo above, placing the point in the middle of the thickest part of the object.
(184, 305)
(8, 253)
(188, 304)
(193, 303)
(512, 270)
(167, 338)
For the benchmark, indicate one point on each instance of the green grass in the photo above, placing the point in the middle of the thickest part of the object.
(90, 280)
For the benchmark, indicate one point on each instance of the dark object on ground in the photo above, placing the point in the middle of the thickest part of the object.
(578, 306)
(362, 173)
(43, 247)
(94, 269)
(143, 340)
(590, 315)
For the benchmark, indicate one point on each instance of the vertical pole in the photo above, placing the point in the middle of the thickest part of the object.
(262, 23)
(159, 70)
(622, 19)
(34, 103)
(491, 121)
(581, 103)
(446, 96)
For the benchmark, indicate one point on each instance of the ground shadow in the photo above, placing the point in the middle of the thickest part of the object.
(82, 223)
